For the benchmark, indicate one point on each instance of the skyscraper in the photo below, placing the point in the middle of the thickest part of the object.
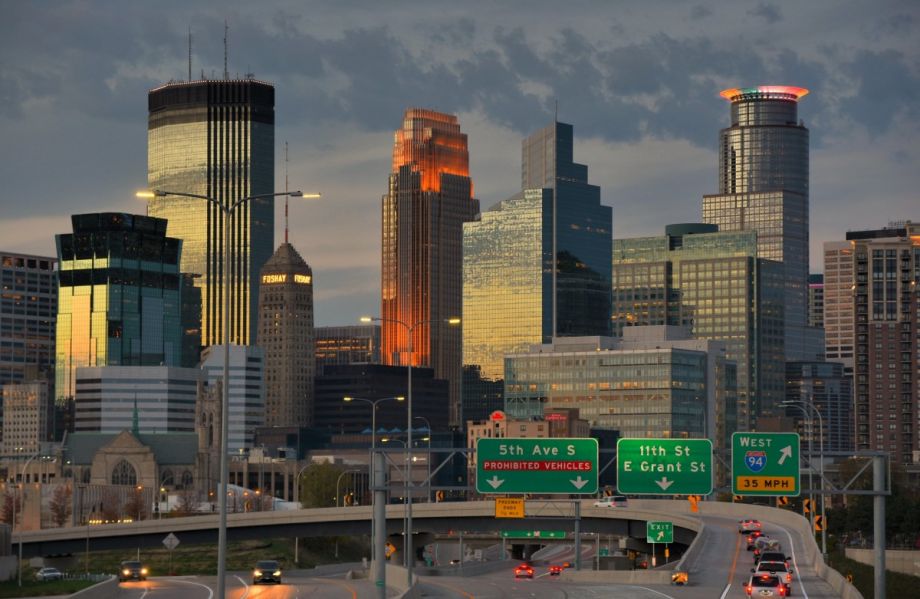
(513, 294)
(763, 187)
(120, 296)
(286, 336)
(216, 138)
(28, 306)
(816, 300)
(839, 312)
(247, 390)
(430, 197)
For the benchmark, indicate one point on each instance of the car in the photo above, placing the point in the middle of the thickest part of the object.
(748, 526)
(780, 569)
(267, 570)
(132, 570)
(523, 571)
(612, 501)
(555, 570)
(765, 585)
(752, 537)
(766, 545)
(48, 574)
(774, 556)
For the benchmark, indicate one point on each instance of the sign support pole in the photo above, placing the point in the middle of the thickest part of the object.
(380, 525)
(878, 485)
(577, 535)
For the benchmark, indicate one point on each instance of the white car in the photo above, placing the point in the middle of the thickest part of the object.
(48, 574)
(748, 526)
(612, 501)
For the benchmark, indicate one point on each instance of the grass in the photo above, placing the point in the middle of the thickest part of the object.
(896, 584)
(33, 588)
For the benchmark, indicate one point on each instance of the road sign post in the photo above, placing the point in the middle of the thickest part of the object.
(765, 464)
(546, 466)
(664, 466)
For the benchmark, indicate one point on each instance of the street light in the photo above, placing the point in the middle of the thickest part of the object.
(373, 403)
(227, 208)
(428, 459)
(22, 473)
(799, 403)
(453, 321)
(406, 467)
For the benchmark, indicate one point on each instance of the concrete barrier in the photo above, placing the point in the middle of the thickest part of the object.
(896, 560)
(107, 589)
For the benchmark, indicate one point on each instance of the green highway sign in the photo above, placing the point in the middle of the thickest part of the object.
(533, 534)
(548, 466)
(765, 464)
(659, 532)
(664, 466)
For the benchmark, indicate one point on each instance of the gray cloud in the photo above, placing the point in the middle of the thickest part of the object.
(700, 12)
(768, 12)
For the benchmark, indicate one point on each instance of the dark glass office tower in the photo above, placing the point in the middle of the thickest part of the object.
(763, 187)
(28, 306)
(514, 292)
(216, 138)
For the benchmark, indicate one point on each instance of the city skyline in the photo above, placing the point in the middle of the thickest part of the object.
(640, 86)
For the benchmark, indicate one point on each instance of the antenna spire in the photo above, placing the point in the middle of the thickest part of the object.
(556, 110)
(190, 53)
(285, 192)
(226, 47)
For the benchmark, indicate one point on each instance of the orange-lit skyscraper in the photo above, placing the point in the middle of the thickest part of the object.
(430, 197)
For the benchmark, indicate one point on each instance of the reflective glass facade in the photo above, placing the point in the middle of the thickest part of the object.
(714, 284)
(831, 391)
(119, 298)
(28, 307)
(216, 138)
(430, 197)
(763, 187)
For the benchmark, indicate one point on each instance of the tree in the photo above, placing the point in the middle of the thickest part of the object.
(135, 506)
(60, 505)
(317, 485)
(8, 507)
(187, 503)
(109, 508)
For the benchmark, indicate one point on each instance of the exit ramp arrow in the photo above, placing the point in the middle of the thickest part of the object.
(785, 452)
(664, 483)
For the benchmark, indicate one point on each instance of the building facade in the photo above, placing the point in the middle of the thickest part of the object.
(430, 196)
(816, 300)
(887, 294)
(763, 187)
(144, 399)
(119, 302)
(26, 417)
(216, 138)
(28, 309)
(247, 390)
(839, 309)
(715, 284)
(286, 336)
(358, 344)
(825, 385)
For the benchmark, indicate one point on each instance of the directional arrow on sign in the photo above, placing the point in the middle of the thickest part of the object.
(579, 482)
(495, 481)
(660, 535)
(664, 483)
(785, 452)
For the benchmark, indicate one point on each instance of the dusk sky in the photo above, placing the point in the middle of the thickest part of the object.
(639, 80)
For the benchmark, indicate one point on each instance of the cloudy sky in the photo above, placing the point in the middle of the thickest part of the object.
(639, 80)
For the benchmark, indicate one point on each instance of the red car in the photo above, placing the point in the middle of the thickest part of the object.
(555, 570)
(523, 571)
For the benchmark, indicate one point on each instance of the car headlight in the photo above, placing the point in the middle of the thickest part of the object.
(257, 573)
(126, 572)
(277, 573)
(144, 571)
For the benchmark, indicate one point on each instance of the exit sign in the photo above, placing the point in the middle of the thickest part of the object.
(550, 466)
(664, 466)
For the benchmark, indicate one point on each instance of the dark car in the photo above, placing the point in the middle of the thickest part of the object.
(132, 570)
(555, 570)
(752, 539)
(770, 556)
(267, 571)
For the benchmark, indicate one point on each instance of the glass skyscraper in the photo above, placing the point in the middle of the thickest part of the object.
(119, 298)
(763, 187)
(430, 197)
(715, 284)
(513, 294)
(28, 305)
(216, 138)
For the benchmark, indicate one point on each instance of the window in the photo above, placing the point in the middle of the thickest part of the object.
(124, 474)
(187, 480)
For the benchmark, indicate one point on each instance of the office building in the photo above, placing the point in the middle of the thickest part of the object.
(429, 198)
(481, 395)
(715, 284)
(887, 265)
(146, 399)
(26, 417)
(28, 308)
(191, 322)
(825, 385)
(654, 382)
(763, 187)
(515, 293)
(216, 138)
(839, 311)
(247, 390)
(816, 301)
(286, 337)
(119, 302)
(357, 344)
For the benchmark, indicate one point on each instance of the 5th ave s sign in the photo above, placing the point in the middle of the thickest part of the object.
(550, 466)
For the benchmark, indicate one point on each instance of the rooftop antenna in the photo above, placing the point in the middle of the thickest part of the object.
(226, 43)
(556, 110)
(285, 192)
(190, 53)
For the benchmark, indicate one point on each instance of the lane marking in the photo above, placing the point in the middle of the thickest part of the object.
(146, 590)
(725, 591)
(450, 587)
(243, 582)
(795, 564)
(653, 591)
(210, 590)
(731, 571)
(354, 594)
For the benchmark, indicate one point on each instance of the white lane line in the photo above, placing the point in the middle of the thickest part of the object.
(210, 590)
(653, 591)
(146, 590)
(725, 592)
(243, 582)
(795, 564)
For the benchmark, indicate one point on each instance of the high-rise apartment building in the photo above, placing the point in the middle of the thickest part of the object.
(537, 265)
(816, 301)
(763, 187)
(887, 304)
(430, 197)
(119, 302)
(216, 138)
(352, 344)
(247, 389)
(715, 284)
(26, 417)
(839, 315)
(28, 307)
(825, 385)
(286, 337)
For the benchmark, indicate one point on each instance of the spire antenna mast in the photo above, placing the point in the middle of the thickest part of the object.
(285, 192)
(190, 53)
(226, 47)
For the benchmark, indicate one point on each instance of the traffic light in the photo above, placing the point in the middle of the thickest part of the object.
(819, 523)
(806, 506)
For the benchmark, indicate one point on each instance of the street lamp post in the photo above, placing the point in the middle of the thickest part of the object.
(22, 491)
(428, 457)
(337, 481)
(373, 403)
(410, 329)
(406, 467)
(799, 404)
(809, 428)
(228, 209)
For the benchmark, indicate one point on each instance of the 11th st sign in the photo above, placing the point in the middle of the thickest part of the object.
(550, 466)
(664, 466)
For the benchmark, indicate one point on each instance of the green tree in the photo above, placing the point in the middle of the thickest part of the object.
(60, 505)
(317, 485)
